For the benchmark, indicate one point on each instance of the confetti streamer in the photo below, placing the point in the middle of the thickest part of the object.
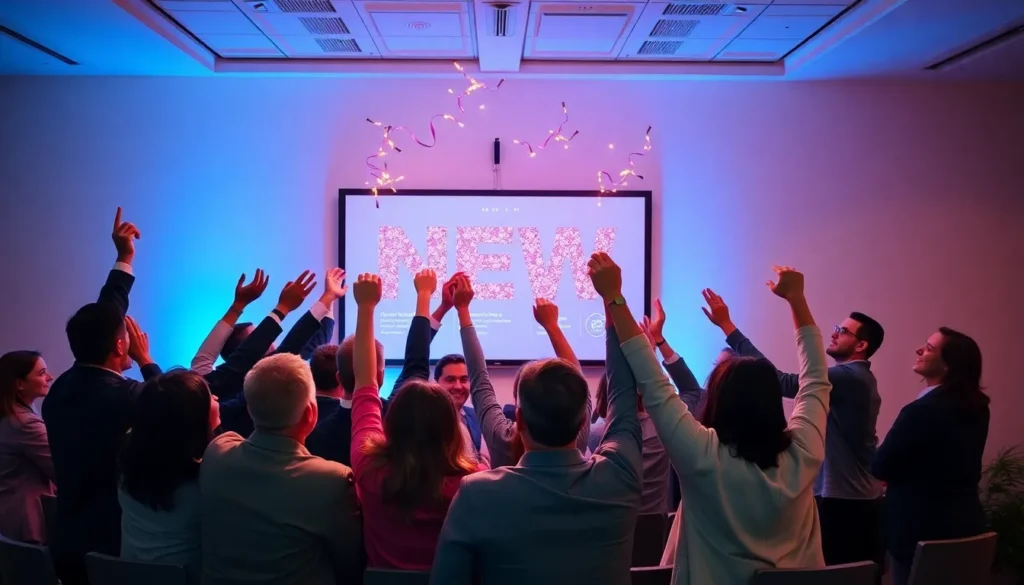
(553, 135)
(629, 171)
(382, 178)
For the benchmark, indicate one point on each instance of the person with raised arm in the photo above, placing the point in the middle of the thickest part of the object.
(499, 432)
(849, 498)
(575, 516)
(408, 465)
(226, 382)
(87, 412)
(748, 496)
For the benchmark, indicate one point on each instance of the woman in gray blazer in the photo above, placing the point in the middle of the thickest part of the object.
(26, 470)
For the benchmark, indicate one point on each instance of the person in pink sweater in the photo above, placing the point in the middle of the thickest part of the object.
(408, 466)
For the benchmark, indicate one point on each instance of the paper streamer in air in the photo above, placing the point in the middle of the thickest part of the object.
(557, 135)
(614, 183)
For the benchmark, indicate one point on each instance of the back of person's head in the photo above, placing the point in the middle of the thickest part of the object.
(744, 407)
(962, 358)
(96, 333)
(870, 331)
(238, 334)
(174, 416)
(346, 364)
(281, 397)
(553, 397)
(421, 446)
(324, 366)
(15, 367)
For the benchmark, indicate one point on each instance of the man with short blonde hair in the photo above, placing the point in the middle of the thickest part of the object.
(272, 512)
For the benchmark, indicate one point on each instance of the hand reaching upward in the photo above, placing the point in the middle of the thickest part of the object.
(463, 292)
(138, 342)
(546, 314)
(790, 285)
(606, 276)
(334, 283)
(367, 290)
(245, 294)
(295, 292)
(425, 282)
(656, 323)
(717, 311)
(124, 235)
(448, 291)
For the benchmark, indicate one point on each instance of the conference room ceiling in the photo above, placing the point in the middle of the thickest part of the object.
(713, 38)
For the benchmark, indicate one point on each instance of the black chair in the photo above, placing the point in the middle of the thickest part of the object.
(49, 513)
(394, 577)
(108, 570)
(649, 539)
(25, 564)
(650, 576)
(862, 573)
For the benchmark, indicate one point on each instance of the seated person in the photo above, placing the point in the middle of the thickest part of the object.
(566, 507)
(175, 418)
(407, 466)
(274, 514)
(332, 436)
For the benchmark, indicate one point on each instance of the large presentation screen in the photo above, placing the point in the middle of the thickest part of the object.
(514, 246)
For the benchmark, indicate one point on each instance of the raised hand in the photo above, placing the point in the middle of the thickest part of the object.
(645, 326)
(334, 284)
(367, 290)
(606, 275)
(296, 291)
(717, 311)
(656, 324)
(463, 292)
(138, 342)
(790, 285)
(546, 314)
(124, 236)
(448, 291)
(247, 293)
(425, 282)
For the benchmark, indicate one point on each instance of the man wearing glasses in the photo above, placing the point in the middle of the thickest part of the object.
(848, 496)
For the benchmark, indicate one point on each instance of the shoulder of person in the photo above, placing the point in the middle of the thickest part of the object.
(328, 472)
(223, 442)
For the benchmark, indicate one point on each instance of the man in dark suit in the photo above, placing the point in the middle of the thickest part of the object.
(331, 439)
(87, 412)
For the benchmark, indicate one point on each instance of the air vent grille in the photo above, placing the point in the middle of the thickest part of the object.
(694, 9)
(501, 18)
(674, 28)
(339, 45)
(324, 26)
(307, 6)
(659, 47)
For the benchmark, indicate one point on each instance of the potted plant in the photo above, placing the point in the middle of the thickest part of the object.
(1002, 497)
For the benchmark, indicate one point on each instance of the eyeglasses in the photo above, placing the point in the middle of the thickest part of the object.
(839, 330)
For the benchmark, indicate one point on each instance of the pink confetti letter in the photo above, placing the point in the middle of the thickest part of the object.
(393, 247)
(545, 277)
(470, 261)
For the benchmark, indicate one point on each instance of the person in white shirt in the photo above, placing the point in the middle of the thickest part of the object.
(748, 495)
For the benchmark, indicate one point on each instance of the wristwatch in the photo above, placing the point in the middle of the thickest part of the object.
(617, 301)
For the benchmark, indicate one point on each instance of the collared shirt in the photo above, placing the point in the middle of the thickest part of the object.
(925, 392)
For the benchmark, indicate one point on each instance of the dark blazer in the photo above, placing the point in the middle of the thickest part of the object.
(234, 412)
(417, 365)
(332, 436)
(87, 412)
(932, 460)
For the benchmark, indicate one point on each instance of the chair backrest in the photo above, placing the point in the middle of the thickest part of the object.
(863, 573)
(108, 570)
(392, 577)
(650, 576)
(649, 539)
(49, 513)
(25, 564)
(961, 560)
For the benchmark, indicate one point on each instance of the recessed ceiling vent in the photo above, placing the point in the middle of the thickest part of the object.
(501, 18)
(680, 9)
(661, 48)
(324, 26)
(339, 45)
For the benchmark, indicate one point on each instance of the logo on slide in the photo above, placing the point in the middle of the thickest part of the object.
(594, 324)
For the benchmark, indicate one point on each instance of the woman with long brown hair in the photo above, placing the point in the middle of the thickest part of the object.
(26, 469)
(409, 464)
(931, 458)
